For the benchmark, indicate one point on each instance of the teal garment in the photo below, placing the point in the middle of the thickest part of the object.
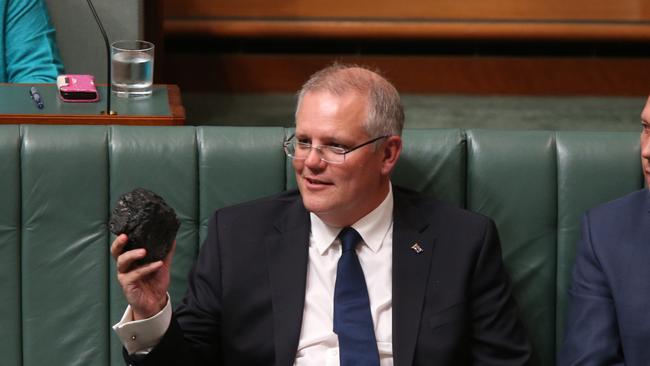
(28, 52)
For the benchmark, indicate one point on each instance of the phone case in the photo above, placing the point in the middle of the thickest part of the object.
(77, 88)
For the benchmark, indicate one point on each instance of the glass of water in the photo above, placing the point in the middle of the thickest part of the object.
(132, 68)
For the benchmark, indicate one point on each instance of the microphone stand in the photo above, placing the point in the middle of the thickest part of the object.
(108, 55)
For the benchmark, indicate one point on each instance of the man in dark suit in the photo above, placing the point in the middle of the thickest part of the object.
(609, 310)
(348, 270)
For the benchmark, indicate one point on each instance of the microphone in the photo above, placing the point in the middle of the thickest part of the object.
(108, 111)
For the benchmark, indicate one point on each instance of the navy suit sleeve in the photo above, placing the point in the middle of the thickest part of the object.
(591, 336)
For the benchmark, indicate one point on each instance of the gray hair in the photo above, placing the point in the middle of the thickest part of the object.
(385, 111)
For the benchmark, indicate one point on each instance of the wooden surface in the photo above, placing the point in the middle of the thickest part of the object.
(417, 19)
(410, 30)
(176, 108)
(234, 73)
(628, 10)
(548, 27)
(428, 30)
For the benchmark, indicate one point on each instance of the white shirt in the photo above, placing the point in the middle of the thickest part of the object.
(318, 344)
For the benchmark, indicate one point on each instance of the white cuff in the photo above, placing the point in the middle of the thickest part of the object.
(142, 335)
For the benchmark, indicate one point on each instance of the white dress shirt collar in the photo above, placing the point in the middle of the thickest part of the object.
(373, 227)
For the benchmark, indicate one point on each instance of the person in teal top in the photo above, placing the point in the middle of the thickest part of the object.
(28, 52)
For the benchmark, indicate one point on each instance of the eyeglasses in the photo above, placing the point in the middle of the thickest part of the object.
(331, 154)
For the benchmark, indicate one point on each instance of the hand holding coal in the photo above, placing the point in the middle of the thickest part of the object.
(148, 222)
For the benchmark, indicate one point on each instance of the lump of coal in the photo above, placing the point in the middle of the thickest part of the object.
(147, 221)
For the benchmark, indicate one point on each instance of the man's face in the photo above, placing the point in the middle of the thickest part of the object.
(645, 142)
(340, 194)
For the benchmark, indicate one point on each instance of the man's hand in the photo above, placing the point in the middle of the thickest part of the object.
(145, 287)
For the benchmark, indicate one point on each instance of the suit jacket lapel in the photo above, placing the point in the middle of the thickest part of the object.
(410, 277)
(287, 253)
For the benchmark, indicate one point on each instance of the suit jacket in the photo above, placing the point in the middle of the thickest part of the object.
(452, 302)
(609, 314)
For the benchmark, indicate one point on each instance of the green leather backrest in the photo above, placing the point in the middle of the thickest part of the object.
(512, 178)
(64, 266)
(165, 161)
(10, 314)
(58, 184)
(433, 162)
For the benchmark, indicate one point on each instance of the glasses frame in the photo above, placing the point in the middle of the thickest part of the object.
(337, 150)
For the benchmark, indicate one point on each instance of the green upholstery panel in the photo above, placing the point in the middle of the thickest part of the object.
(58, 185)
(291, 176)
(64, 257)
(228, 176)
(511, 178)
(162, 160)
(10, 322)
(433, 163)
(592, 168)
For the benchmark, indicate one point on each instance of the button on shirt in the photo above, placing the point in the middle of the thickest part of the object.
(318, 343)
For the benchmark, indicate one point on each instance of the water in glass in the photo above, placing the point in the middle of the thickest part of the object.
(132, 73)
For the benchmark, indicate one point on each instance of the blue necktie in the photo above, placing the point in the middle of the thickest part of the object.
(352, 318)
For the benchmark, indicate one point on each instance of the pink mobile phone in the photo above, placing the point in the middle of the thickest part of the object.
(77, 88)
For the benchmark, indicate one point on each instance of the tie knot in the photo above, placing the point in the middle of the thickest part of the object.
(349, 238)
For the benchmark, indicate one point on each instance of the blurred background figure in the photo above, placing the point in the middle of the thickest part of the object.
(28, 52)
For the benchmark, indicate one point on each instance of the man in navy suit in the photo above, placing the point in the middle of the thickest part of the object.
(428, 278)
(609, 310)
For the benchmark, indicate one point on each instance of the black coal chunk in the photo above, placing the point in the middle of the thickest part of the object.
(148, 222)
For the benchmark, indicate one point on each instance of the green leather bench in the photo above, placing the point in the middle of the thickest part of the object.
(58, 185)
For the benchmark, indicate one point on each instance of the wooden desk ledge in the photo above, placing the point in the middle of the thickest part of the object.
(16, 107)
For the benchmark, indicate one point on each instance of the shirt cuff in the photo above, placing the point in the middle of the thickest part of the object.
(140, 336)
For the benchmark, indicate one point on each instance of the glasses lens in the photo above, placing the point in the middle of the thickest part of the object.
(296, 150)
(332, 154)
(300, 151)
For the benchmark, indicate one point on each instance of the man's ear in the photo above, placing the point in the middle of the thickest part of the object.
(391, 150)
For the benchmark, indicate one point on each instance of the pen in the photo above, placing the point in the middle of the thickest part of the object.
(36, 96)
